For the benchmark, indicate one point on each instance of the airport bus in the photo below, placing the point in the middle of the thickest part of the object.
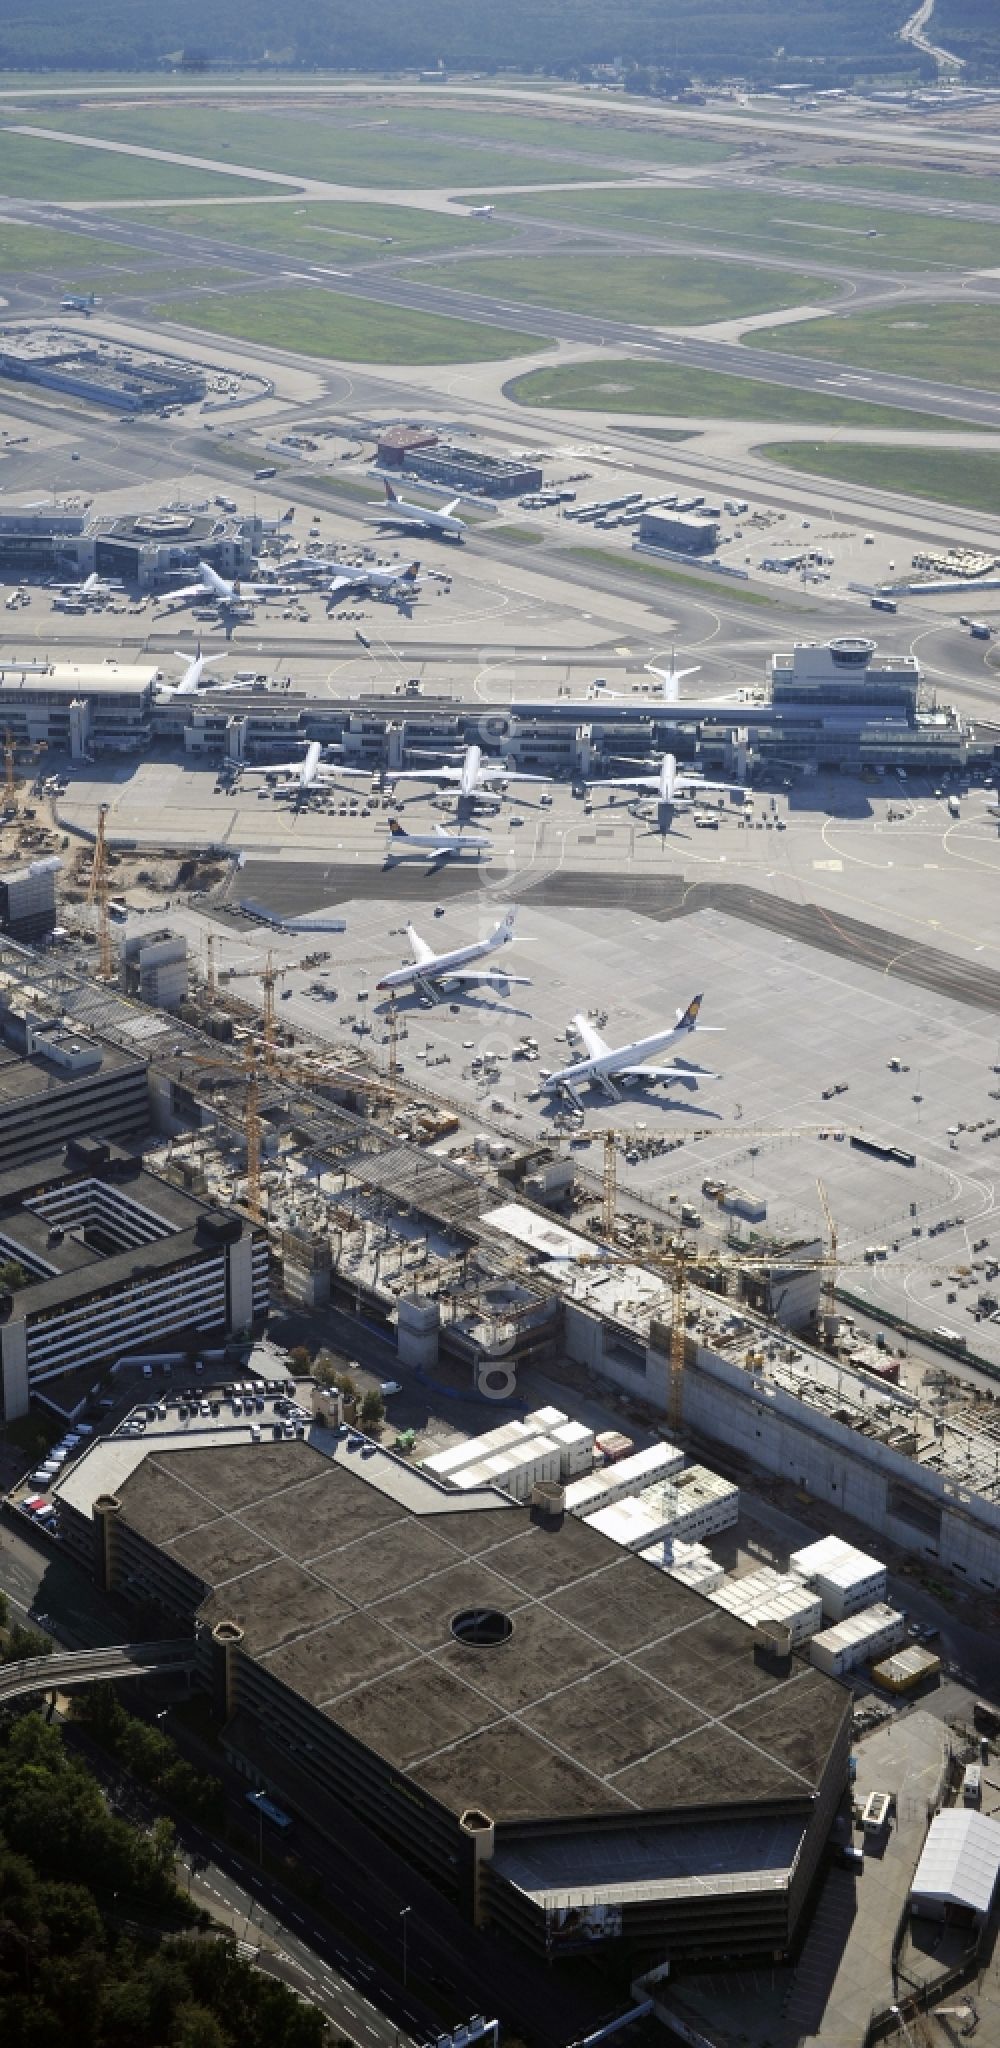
(266, 1808)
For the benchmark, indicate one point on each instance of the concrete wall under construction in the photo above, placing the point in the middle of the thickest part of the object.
(912, 1505)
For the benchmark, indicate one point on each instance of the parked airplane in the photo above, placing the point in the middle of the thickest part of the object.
(91, 586)
(397, 512)
(473, 778)
(670, 785)
(222, 590)
(438, 841)
(431, 973)
(671, 679)
(392, 583)
(311, 773)
(606, 1065)
(190, 681)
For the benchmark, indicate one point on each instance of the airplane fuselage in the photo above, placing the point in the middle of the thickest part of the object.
(440, 965)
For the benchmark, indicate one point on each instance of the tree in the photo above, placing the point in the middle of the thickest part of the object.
(372, 1409)
(300, 1359)
(162, 1845)
(4, 1610)
(12, 1276)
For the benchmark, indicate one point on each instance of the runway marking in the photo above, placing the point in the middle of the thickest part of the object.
(835, 866)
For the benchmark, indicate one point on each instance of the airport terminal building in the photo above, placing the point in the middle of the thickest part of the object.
(578, 1748)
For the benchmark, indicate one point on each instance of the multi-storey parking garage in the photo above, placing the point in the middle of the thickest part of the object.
(576, 1746)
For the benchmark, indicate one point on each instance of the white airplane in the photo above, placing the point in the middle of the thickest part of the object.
(438, 841)
(92, 586)
(671, 679)
(310, 773)
(670, 785)
(482, 212)
(190, 681)
(223, 590)
(397, 512)
(607, 1064)
(398, 583)
(473, 778)
(432, 972)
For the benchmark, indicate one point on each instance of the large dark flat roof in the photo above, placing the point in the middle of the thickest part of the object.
(618, 1693)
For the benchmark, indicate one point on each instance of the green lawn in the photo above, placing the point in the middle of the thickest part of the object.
(32, 168)
(984, 191)
(326, 232)
(663, 290)
(681, 393)
(957, 344)
(811, 230)
(24, 248)
(643, 565)
(317, 323)
(353, 145)
(178, 278)
(948, 475)
(606, 138)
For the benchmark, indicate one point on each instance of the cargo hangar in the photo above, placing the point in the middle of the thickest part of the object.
(577, 1748)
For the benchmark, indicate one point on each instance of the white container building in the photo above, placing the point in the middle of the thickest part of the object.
(691, 1563)
(767, 1595)
(516, 1470)
(859, 1639)
(630, 1475)
(576, 1448)
(693, 1504)
(846, 1579)
(443, 1464)
(544, 1420)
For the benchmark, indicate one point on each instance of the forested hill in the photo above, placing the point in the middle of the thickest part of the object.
(759, 39)
(971, 28)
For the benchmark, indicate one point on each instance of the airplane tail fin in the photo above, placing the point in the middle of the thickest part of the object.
(396, 829)
(689, 1018)
(505, 929)
(410, 575)
(391, 498)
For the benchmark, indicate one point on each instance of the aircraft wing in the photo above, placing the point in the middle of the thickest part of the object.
(595, 1044)
(189, 590)
(694, 783)
(450, 510)
(509, 775)
(485, 974)
(276, 768)
(626, 782)
(421, 951)
(667, 1074)
(425, 775)
(339, 583)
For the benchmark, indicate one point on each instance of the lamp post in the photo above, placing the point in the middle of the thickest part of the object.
(403, 1915)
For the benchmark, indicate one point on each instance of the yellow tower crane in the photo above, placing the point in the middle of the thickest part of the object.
(830, 1273)
(97, 892)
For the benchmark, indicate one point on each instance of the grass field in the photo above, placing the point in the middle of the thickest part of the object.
(24, 248)
(947, 475)
(31, 168)
(945, 185)
(681, 393)
(316, 323)
(957, 344)
(178, 278)
(601, 139)
(352, 146)
(662, 290)
(811, 230)
(642, 565)
(326, 232)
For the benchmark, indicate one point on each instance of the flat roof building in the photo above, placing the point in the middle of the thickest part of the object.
(472, 470)
(579, 1748)
(115, 1260)
(688, 533)
(58, 1083)
(956, 1877)
(846, 1579)
(28, 899)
